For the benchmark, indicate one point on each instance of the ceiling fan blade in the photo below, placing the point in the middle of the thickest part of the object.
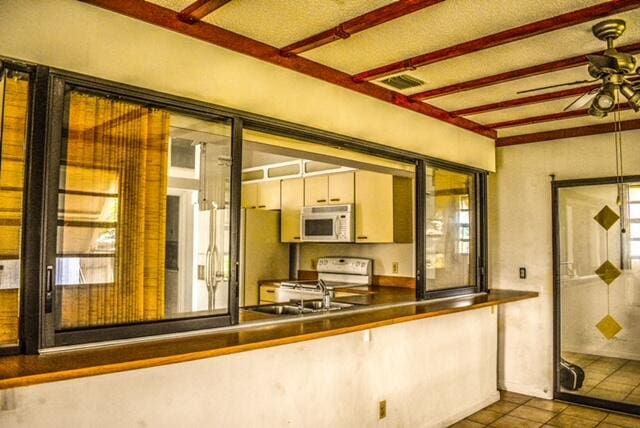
(582, 100)
(578, 82)
(605, 63)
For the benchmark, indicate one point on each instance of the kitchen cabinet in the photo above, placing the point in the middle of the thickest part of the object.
(383, 205)
(316, 190)
(341, 188)
(329, 189)
(269, 195)
(268, 293)
(265, 195)
(250, 195)
(292, 194)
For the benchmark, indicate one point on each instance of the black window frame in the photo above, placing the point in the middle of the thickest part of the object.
(60, 84)
(46, 119)
(480, 181)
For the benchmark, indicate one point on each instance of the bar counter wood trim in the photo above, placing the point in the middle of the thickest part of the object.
(23, 370)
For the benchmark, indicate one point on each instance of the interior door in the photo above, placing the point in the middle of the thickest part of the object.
(598, 294)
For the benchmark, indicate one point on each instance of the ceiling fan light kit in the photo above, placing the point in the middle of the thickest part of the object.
(614, 69)
(611, 67)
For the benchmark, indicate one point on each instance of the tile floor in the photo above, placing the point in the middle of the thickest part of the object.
(608, 378)
(515, 411)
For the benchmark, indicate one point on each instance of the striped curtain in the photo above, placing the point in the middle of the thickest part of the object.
(14, 104)
(117, 149)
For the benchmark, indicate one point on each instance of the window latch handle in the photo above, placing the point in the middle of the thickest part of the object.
(48, 290)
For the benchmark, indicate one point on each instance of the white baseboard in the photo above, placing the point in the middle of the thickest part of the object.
(463, 413)
(525, 389)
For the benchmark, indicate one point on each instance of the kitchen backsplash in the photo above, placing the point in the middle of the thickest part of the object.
(384, 255)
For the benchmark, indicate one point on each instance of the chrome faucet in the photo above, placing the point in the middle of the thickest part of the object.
(326, 294)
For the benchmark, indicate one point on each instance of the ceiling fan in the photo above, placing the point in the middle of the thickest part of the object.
(613, 68)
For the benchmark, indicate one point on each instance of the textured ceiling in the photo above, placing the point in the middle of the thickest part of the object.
(445, 24)
(451, 22)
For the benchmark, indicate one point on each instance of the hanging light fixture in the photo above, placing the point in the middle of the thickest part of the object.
(632, 95)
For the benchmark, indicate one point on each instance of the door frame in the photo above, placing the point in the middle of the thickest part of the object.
(556, 185)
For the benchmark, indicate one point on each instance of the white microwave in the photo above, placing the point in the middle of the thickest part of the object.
(327, 223)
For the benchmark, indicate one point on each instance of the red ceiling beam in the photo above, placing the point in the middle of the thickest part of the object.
(507, 36)
(545, 118)
(199, 9)
(558, 134)
(522, 73)
(522, 101)
(168, 19)
(359, 23)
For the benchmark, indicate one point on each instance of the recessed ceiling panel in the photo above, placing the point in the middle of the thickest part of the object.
(281, 22)
(436, 27)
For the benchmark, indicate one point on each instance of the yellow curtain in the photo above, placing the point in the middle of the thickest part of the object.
(117, 148)
(14, 104)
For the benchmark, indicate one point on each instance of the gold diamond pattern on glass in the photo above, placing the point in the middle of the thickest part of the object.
(606, 217)
(609, 327)
(608, 272)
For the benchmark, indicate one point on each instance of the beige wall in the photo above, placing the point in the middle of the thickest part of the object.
(71, 35)
(520, 235)
(431, 373)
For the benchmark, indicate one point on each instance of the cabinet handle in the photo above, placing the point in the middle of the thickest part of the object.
(321, 200)
(362, 237)
(296, 237)
(269, 291)
(262, 206)
(334, 199)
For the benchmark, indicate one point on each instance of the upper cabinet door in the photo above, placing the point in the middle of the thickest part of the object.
(292, 201)
(250, 195)
(341, 188)
(316, 190)
(374, 207)
(269, 195)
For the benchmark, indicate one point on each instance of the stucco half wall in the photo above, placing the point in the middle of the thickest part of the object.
(70, 35)
(431, 372)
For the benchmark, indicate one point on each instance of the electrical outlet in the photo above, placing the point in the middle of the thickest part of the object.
(523, 273)
(395, 267)
(382, 409)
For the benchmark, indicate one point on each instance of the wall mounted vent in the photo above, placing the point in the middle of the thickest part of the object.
(402, 81)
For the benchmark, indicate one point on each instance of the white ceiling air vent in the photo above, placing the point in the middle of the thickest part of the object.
(402, 81)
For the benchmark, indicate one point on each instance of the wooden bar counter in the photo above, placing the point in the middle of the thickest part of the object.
(251, 334)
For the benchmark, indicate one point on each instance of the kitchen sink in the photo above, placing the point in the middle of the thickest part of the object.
(316, 305)
(282, 309)
(306, 307)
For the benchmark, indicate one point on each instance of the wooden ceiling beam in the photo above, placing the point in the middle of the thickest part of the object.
(547, 118)
(199, 9)
(521, 73)
(360, 23)
(168, 19)
(559, 134)
(522, 101)
(511, 35)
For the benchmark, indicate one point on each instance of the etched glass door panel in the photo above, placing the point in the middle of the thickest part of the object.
(600, 291)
